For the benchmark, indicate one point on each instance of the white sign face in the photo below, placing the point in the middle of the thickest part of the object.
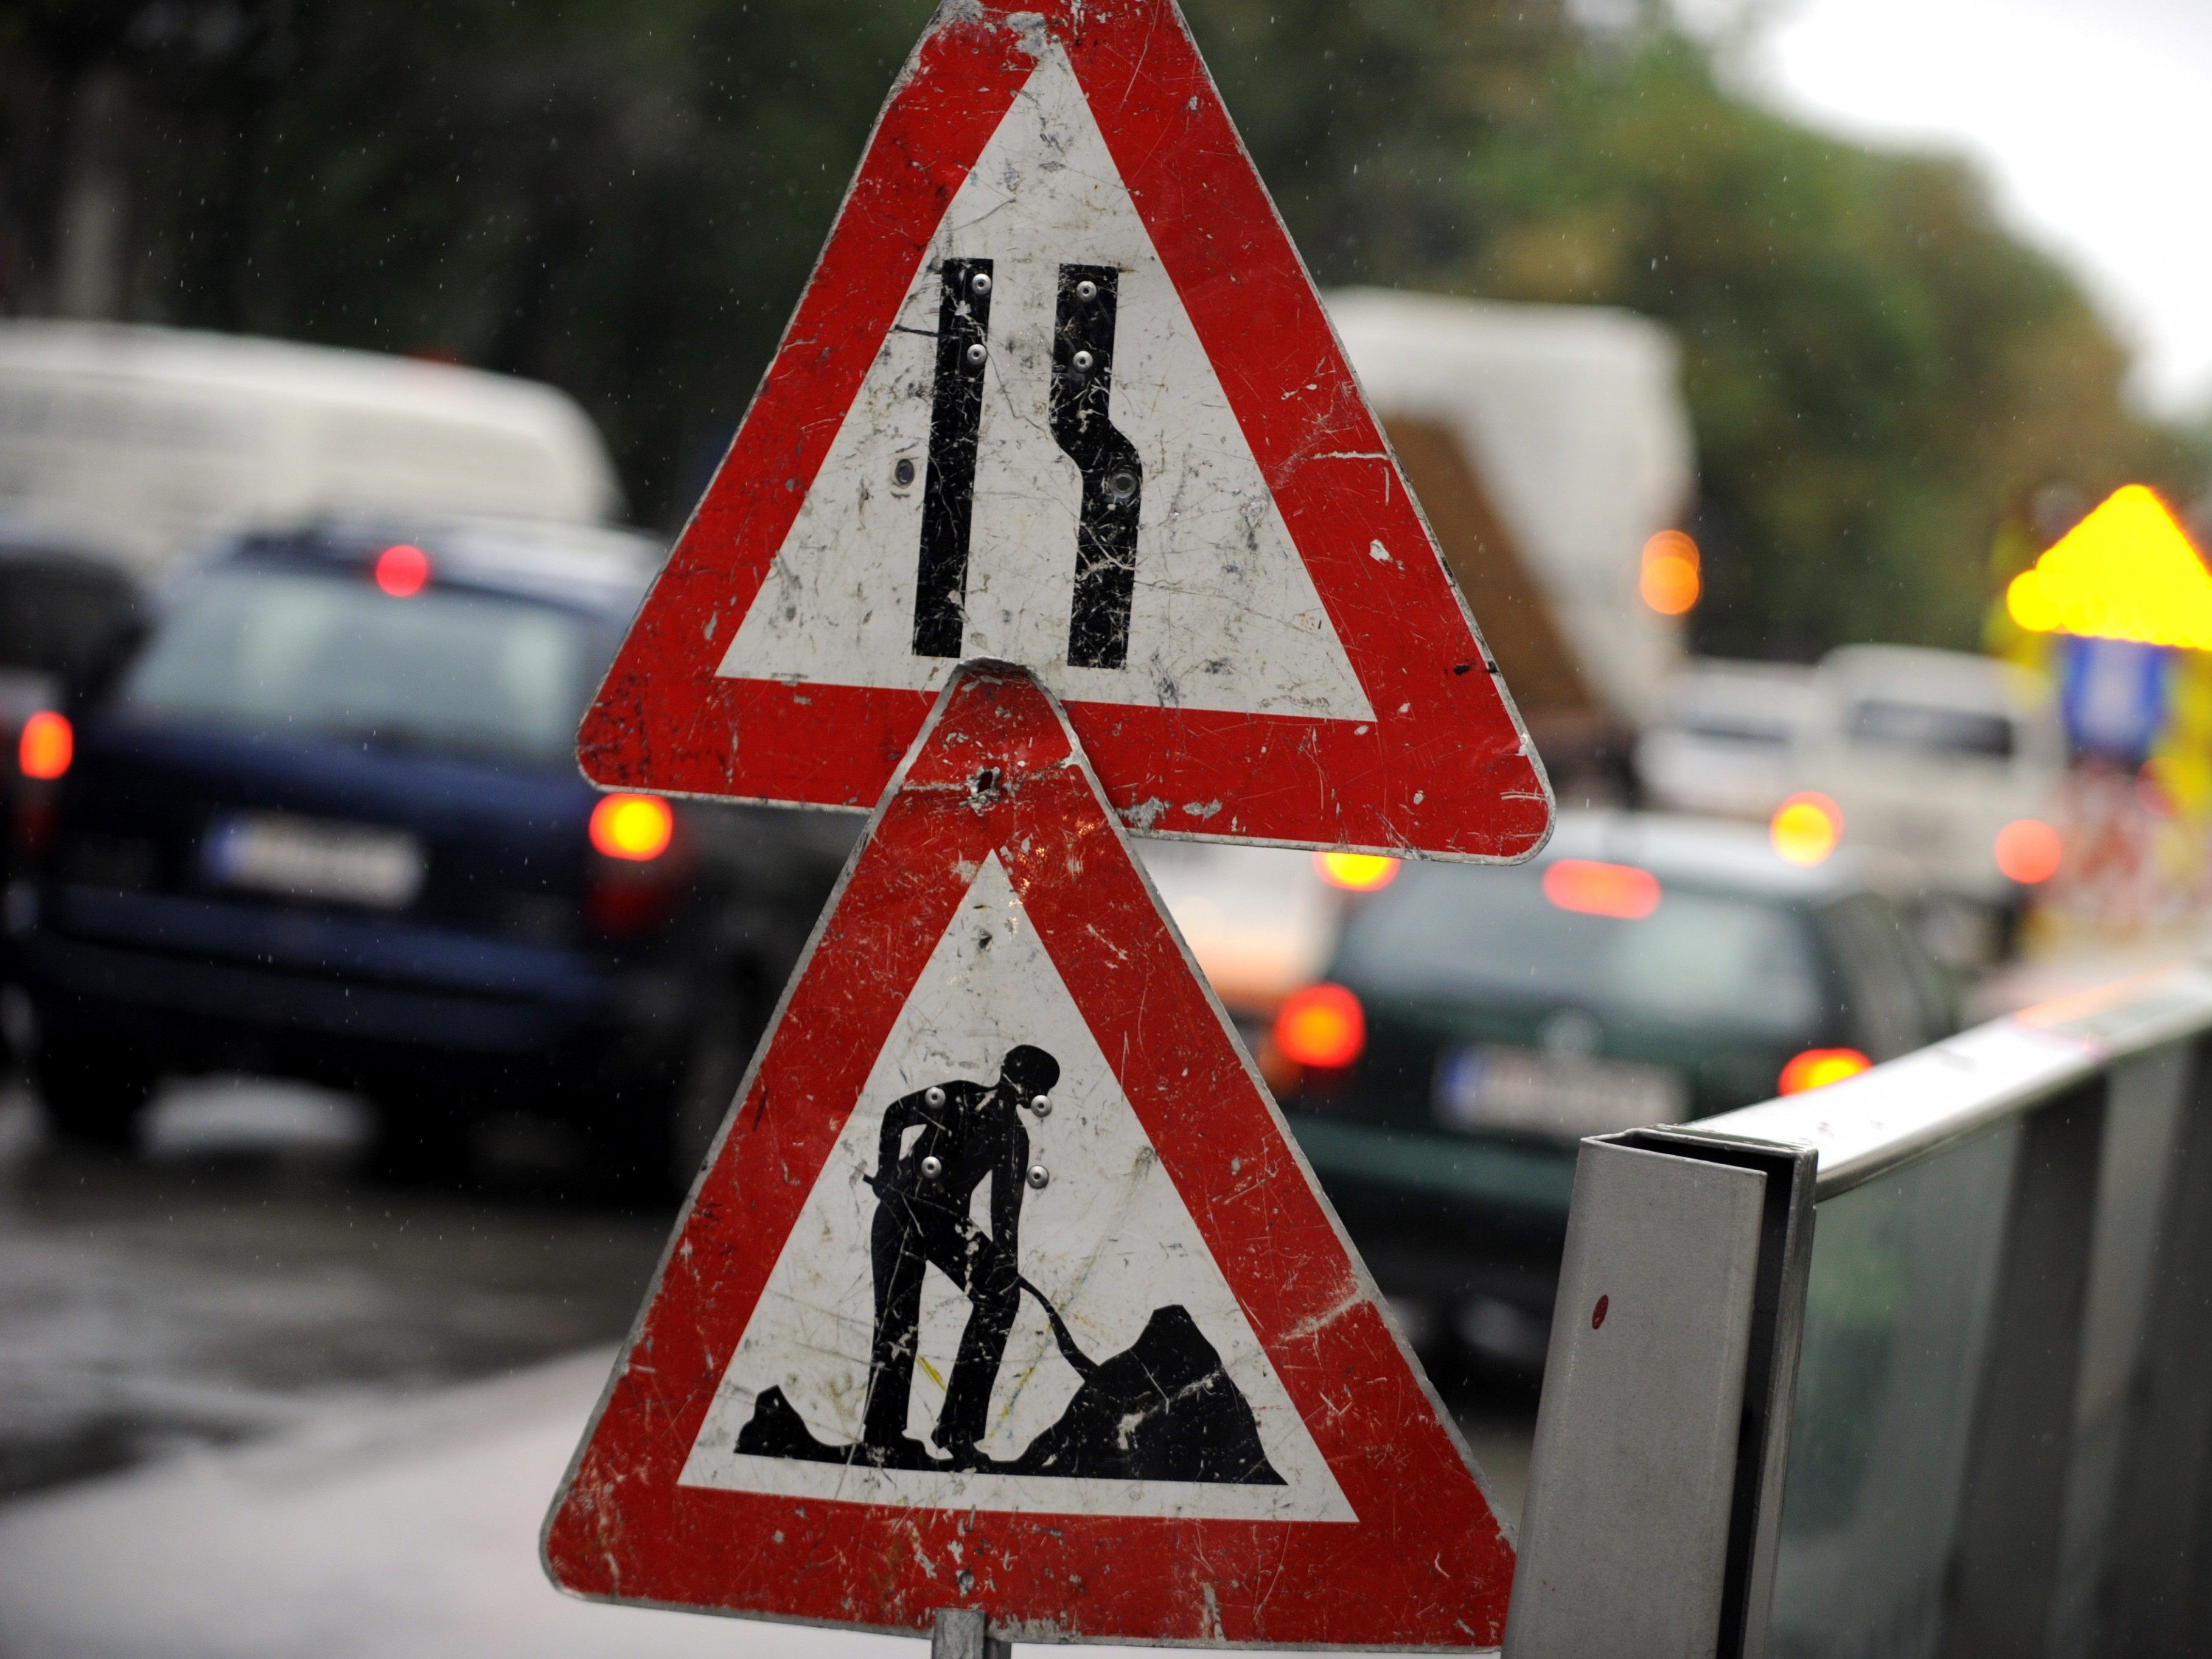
(867, 1374)
(1044, 425)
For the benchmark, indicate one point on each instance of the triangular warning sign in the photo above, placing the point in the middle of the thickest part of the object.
(1060, 394)
(1007, 1289)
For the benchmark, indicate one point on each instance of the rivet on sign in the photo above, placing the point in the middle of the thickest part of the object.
(932, 1167)
(1041, 1105)
(1122, 486)
(1086, 290)
(1083, 360)
(974, 354)
(1597, 1314)
(933, 1095)
(902, 474)
(983, 282)
(1038, 1176)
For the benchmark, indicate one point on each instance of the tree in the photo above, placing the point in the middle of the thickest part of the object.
(625, 199)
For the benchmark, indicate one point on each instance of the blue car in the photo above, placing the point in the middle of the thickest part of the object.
(323, 819)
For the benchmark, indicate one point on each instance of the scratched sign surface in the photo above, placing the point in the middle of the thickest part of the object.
(1060, 394)
(1004, 1288)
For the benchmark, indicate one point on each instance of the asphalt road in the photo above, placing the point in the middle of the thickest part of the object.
(240, 1279)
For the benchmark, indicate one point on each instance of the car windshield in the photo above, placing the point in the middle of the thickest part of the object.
(445, 670)
(1698, 959)
(1931, 729)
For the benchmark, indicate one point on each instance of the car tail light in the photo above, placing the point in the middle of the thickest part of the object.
(1323, 1026)
(1816, 1068)
(1592, 889)
(403, 571)
(1356, 872)
(635, 827)
(47, 745)
(640, 873)
(2029, 851)
(1806, 828)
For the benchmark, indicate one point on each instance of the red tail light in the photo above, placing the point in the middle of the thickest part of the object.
(639, 873)
(403, 571)
(46, 747)
(2029, 851)
(1816, 1068)
(636, 828)
(1322, 1025)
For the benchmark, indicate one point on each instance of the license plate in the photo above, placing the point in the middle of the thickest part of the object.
(310, 859)
(1492, 1087)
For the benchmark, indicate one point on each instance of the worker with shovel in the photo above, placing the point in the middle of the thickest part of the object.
(924, 1196)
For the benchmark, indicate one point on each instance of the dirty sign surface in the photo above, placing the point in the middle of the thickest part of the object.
(1060, 394)
(1004, 1288)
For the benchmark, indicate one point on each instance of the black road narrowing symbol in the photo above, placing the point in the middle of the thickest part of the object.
(1082, 388)
(948, 495)
(1113, 477)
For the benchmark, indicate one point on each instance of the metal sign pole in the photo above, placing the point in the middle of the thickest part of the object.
(962, 1633)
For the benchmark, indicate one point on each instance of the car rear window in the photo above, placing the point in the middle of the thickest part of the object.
(1722, 728)
(445, 670)
(1893, 723)
(1700, 959)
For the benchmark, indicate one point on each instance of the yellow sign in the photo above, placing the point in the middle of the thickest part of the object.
(2128, 571)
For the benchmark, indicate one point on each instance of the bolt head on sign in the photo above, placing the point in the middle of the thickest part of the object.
(1060, 394)
(1005, 1288)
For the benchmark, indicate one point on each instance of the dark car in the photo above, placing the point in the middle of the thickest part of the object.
(1476, 1022)
(325, 821)
(63, 603)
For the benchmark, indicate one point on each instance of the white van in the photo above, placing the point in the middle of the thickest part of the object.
(1928, 755)
(1725, 741)
(151, 440)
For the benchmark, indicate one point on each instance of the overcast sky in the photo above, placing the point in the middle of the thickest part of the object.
(2092, 118)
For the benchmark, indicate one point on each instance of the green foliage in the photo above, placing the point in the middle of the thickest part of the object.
(1874, 367)
(624, 199)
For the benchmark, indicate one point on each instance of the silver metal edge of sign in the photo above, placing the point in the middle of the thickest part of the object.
(1647, 1527)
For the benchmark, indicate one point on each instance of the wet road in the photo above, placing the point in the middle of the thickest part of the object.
(241, 1280)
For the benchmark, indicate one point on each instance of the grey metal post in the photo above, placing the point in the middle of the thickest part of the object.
(2005, 1565)
(2155, 1586)
(1655, 1481)
(964, 1634)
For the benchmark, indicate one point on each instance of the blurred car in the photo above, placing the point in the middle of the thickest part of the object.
(1725, 741)
(326, 822)
(61, 603)
(1950, 763)
(1475, 1023)
(1260, 922)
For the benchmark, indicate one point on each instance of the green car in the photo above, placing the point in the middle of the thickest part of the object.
(1477, 1022)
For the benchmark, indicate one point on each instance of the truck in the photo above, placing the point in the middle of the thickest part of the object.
(1548, 446)
(153, 441)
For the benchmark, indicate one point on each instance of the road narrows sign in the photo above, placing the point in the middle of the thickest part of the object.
(1060, 394)
(1005, 1287)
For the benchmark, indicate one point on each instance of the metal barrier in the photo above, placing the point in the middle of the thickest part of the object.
(1918, 1364)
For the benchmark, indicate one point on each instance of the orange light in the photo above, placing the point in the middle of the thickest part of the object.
(2029, 851)
(2128, 571)
(1672, 576)
(46, 747)
(1816, 1068)
(634, 827)
(1356, 872)
(1592, 889)
(403, 571)
(1322, 1025)
(1806, 828)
